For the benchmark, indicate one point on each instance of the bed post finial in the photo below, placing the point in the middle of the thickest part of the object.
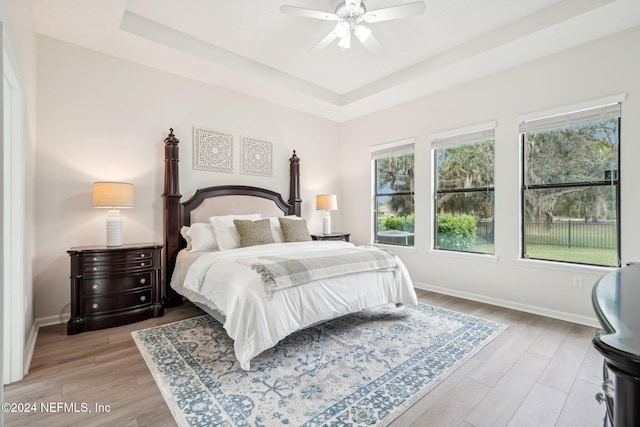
(294, 184)
(172, 216)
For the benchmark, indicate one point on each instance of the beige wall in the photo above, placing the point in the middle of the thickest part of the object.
(592, 71)
(102, 118)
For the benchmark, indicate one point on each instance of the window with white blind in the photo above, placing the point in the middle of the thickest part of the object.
(464, 190)
(570, 198)
(393, 193)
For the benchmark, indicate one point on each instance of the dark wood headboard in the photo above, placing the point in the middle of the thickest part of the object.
(177, 213)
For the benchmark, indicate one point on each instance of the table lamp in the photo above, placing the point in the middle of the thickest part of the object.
(326, 203)
(113, 196)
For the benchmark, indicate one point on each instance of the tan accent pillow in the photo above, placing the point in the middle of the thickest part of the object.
(254, 233)
(294, 230)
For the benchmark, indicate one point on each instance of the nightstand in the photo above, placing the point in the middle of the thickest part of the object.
(331, 236)
(113, 286)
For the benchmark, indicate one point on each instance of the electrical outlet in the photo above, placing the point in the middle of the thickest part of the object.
(577, 282)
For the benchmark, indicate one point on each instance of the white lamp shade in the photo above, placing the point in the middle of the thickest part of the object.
(326, 202)
(362, 33)
(342, 29)
(112, 195)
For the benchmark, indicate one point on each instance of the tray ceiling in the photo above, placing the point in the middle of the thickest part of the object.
(250, 47)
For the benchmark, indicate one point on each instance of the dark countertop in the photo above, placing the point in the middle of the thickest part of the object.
(616, 300)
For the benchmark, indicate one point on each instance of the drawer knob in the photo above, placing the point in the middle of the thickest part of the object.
(95, 258)
(142, 264)
(95, 305)
(143, 298)
(143, 281)
(95, 268)
(95, 286)
(141, 255)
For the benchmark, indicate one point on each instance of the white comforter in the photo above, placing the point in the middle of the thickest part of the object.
(256, 321)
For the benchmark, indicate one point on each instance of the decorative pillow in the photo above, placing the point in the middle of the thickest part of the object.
(254, 233)
(201, 237)
(276, 231)
(294, 230)
(183, 232)
(226, 234)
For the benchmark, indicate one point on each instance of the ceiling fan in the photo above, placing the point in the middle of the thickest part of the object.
(351, 14)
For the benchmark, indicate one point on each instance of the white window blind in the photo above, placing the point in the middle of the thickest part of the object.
(464, 138)
(612, 111)
(391, 149)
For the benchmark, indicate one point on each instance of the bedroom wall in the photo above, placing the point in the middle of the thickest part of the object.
(101, 118)
(592, 71)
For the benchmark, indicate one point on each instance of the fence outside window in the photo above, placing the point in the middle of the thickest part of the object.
(569, 233)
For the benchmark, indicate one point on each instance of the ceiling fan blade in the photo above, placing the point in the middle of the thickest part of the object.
(396, 12)
(371, 43)
(308, 13)
(325, 42)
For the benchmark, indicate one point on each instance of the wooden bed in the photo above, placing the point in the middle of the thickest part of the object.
(236, 284)
(178, 214)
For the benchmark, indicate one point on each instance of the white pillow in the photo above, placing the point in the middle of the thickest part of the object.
(183, 232)
(226, 234)
(278, 237)
(202, 237)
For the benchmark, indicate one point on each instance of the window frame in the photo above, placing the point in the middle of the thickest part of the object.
(382, 151)
(474, 134)
(573, 117)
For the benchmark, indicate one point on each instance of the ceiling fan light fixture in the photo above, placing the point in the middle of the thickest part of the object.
(345, 42)
(349, 14)
(362, 33)
(342, 29)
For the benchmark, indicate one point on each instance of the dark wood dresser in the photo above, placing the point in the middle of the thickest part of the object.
(113, 286)
(616, 300)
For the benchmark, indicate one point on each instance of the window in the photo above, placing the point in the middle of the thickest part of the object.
(393, 218)
(571, 187)
(464, 191)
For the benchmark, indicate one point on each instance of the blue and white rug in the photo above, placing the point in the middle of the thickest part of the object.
(361, 369)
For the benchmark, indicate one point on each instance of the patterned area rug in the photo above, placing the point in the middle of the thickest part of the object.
(361, 369)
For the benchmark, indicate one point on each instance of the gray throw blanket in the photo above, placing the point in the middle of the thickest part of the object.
(296, 269)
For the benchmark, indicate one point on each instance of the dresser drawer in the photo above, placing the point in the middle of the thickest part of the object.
(110, 284)
(100, 304)
(116, 266)
(118, 261)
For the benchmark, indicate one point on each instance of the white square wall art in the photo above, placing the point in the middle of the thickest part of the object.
(212, 150)
(256, 156)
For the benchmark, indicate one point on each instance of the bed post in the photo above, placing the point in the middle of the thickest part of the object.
(172, 216)
(294, 184)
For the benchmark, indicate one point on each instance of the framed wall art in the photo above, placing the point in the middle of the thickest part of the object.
(212, 150)
(256, 156)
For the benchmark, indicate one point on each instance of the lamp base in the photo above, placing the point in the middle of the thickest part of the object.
(326, 223)
(114, 228)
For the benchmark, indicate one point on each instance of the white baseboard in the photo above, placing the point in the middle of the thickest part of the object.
(52, 320)
(560, 315)
(30, 345)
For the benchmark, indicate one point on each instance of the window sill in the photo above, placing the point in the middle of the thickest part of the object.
(564, 266)
(465, 255)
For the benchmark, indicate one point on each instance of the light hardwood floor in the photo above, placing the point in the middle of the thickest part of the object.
(538, 372)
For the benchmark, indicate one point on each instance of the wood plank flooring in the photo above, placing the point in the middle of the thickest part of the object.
(539, 372)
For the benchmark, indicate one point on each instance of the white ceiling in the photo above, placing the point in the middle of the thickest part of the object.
(250, 47)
